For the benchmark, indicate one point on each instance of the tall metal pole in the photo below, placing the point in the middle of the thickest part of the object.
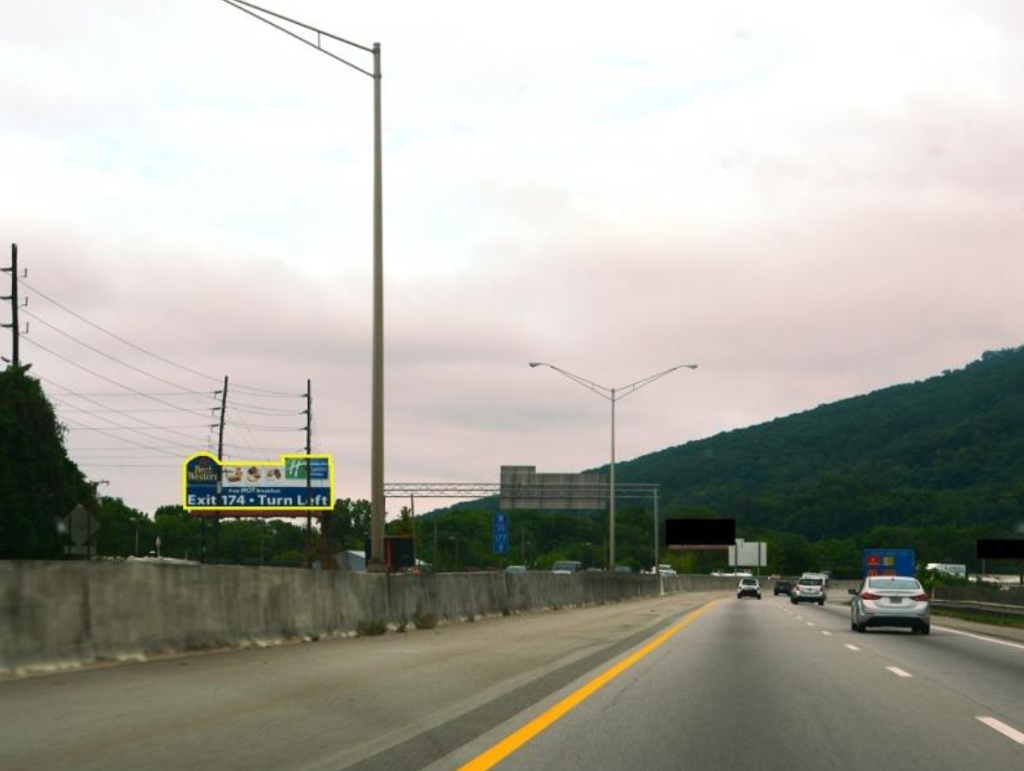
(412, 526)
(377, 500)
(612, 395)
(656, 544)
(377, 503)
(611, 496)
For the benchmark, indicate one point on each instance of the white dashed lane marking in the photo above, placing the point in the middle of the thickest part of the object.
(809, 623)
(1010, 733)
(851, 647)
(826, 633)
(898, 671)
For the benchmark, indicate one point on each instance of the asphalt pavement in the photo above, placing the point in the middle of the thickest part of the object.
(701, 682)
(768, 685)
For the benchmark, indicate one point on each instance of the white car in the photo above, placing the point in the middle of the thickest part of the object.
(808, 590)
(891, 601)
(667, 570)
(748, 586)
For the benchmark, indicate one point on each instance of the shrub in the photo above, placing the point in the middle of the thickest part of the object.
(371, 628)
(424, 620)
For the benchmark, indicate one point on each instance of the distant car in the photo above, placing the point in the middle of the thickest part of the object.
(898, 601)
(513, 569)
(808, 590)
(566, 567)
(749, 587)
(667, 570)
(623, 569)
(594, 570)
(782, 586)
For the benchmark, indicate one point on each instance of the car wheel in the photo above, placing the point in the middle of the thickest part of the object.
(792, 601)
(821, 603)
(926, 629)
(759, 596)
(853, 626)
(862, 628)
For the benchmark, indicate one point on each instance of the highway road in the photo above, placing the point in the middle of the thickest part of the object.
(697, 682)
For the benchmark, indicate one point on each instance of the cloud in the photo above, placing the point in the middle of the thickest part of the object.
(808, 206)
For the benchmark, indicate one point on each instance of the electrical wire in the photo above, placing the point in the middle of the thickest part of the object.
(129, 343)
(112, 358)
(107, 379)
(144, 423)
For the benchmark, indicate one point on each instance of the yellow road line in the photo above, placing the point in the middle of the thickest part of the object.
(542, 722)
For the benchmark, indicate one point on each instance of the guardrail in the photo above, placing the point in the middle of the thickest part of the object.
(976, 606)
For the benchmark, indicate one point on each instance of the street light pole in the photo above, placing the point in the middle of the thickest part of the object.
(613, 395)
(377, 501)
(611, 492)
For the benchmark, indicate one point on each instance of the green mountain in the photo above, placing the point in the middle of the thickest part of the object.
(946, 452)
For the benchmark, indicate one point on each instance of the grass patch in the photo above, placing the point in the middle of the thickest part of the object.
(371, 628)
(1016, 622)
(424, 620)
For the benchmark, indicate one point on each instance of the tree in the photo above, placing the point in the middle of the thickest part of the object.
(38, 482)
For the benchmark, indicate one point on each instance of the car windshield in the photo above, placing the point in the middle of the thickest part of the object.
(748, 582)
(894, 583)
(810, 582)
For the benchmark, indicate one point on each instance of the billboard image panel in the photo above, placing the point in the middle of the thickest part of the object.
(1001, 549)
(700, 533)
(293, 482)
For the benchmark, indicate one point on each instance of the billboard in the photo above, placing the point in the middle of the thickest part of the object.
(523, 488)
(293, 482)
(399, 551)
(700, 533)
(1001, 549)
(748, 554)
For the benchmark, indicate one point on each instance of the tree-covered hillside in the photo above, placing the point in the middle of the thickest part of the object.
(947, 451)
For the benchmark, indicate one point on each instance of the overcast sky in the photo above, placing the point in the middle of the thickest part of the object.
(811, 200)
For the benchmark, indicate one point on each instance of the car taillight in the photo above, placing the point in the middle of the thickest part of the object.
(921, 597)
(870, 596)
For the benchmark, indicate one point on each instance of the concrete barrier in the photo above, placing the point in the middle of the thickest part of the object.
(63, 614)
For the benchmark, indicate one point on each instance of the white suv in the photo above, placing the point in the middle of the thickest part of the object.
(748, 586)
(808, 590)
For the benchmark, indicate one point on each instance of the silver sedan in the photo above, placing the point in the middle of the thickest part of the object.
(898, 601)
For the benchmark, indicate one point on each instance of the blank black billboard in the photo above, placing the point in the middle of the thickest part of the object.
(1001, 549)
(700, 532)
(398, 551)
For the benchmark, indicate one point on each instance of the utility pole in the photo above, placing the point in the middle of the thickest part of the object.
(309, 468)
(220, 459)
(14, 326)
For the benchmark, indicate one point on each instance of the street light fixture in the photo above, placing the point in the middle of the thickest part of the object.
(612, 395)
(377, 501)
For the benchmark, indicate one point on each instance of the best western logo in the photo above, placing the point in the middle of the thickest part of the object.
(203, 472)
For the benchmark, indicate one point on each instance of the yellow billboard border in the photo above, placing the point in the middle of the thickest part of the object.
(232, 462)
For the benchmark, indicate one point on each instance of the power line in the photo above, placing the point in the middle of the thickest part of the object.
(65, 408)
(80, 317)
(209, 394)
(133, 442)
(110, 380)
(112, 358)
(113, 422)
